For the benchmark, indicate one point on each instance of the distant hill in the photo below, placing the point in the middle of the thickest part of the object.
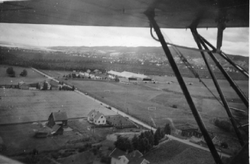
(146, 60)
(193, 57)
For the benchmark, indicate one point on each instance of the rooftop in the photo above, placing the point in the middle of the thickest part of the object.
(59, 116)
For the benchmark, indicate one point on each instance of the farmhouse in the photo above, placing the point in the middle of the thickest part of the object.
(99, 119)
(96, 117)
(121, 157)
(59, 118)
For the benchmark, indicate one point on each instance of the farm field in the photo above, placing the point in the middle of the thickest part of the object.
(151, 105)
(33, 105)
(30, 78)
(19, 139)
(19, 106)
(158, 104)
(196, 88)
(173, 152)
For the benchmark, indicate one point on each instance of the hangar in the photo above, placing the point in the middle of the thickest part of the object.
(130, 76)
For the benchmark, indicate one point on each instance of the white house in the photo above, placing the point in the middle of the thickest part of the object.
(99, 119)
(92, 76)
(121, 157)
(96, 117)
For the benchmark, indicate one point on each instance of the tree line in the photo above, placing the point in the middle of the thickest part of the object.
(144, 142)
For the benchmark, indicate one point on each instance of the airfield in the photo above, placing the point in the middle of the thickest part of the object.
(155, 101)
(25, 111)
(163, 102)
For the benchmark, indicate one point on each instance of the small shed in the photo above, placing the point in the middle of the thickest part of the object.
(23, 85)
(59, 118)
(57, 130)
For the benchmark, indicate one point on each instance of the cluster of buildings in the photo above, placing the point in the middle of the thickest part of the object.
(123, 77)
(57, 121)
(46, 85)
(96, 74)
(121, 157)
(117, 121)
(128, 76)
(195, 136)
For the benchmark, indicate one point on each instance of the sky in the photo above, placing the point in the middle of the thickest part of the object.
(235, 40)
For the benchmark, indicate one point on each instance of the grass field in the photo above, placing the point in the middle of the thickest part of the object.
(19, 106)
(136, 99)
(31, 77)
(19, 139)
(197, 88)
(173, 152)
(151, 103)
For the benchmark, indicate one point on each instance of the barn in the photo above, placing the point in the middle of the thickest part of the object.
(132, 77)
(59, 118)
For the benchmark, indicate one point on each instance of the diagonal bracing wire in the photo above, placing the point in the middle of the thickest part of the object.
(188, 65)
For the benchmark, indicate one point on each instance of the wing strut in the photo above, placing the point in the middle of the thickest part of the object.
(200, 43)
(229, 79)
(239, 68)
(150, 13)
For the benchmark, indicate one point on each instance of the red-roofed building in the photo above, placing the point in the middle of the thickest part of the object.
(121, 157)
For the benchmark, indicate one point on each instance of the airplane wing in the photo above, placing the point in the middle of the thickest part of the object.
(126, 13)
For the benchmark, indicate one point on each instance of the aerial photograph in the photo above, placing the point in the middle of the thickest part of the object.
(124, 82)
